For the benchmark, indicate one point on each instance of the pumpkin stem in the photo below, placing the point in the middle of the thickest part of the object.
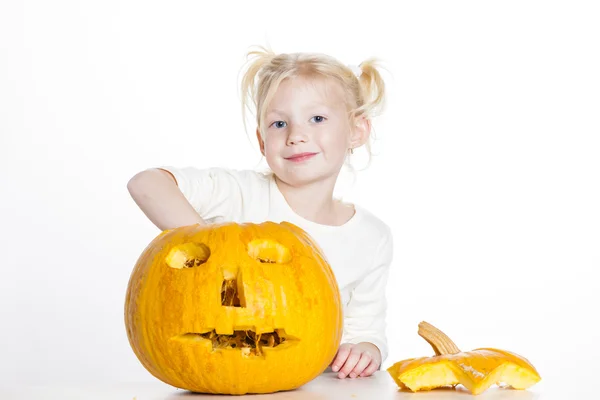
(441, 343)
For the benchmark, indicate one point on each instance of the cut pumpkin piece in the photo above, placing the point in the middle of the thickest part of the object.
(476, 370)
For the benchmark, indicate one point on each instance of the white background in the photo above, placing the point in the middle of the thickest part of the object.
(487, 165)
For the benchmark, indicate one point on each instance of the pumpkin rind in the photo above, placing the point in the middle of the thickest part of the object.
(269, 280)
(476, 370)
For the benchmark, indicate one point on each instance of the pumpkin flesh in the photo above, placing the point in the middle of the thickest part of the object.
(476, 370)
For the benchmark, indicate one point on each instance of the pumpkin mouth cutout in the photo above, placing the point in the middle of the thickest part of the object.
(247, 341)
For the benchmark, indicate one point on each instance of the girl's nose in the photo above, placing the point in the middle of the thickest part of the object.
(296, 135)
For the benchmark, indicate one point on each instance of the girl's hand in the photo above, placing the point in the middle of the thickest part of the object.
(354, 360)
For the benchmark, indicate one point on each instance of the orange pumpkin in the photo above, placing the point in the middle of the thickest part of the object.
(234, 308)
(476, 370)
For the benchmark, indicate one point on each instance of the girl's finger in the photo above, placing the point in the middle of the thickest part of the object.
(365, 360)
(340, 358)
(370, 370)
(350, 363)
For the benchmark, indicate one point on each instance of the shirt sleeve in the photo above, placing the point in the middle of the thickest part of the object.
(365, 319)
(215, 193)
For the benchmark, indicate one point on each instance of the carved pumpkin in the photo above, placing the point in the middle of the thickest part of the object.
(234, 308)
(476, 370)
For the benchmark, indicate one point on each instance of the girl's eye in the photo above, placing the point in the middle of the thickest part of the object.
(278, 124)
(318, 118)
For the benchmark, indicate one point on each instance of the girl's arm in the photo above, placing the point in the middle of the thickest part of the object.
(365, 317)
(364, 346)
(155, 191)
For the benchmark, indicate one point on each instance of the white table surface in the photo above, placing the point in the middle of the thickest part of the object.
(325, 387)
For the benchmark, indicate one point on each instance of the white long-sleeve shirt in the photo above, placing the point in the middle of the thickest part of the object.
(359, 251)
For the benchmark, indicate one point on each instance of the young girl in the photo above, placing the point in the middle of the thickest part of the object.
(312, 112)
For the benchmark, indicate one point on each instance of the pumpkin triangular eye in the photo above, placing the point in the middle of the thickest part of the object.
(269, 251)
(188, 255)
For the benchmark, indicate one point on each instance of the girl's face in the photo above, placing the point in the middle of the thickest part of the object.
(307, 131)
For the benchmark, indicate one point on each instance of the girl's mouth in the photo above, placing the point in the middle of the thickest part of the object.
(300, 157)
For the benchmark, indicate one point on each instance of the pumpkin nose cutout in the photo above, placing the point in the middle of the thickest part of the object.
(269, 251)
(188, 255)
(231, 296)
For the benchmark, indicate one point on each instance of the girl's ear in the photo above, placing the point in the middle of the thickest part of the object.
(360, 132)
(261, 143)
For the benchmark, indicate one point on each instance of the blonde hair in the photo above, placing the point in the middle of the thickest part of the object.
(265, 70)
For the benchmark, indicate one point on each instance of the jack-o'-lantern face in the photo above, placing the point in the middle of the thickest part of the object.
(234, 308)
